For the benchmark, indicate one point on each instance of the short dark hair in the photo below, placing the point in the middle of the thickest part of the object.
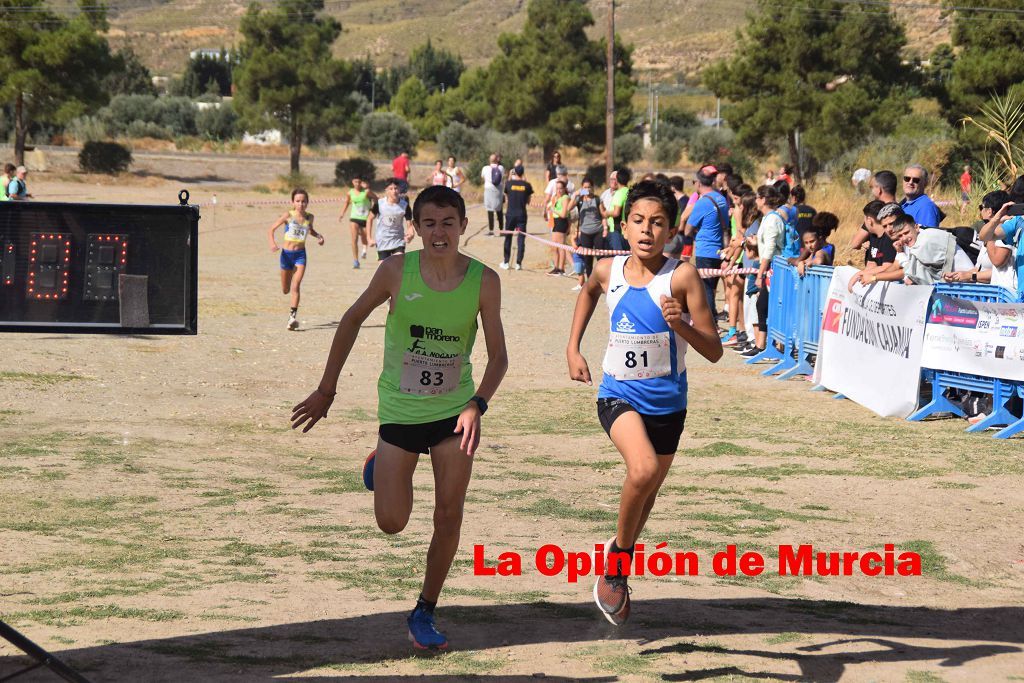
(887, 181)
(873, 207)
(623, 175)
(799, 194)
(705, 180)
(742, 189)
(10, 168)
(661, 178)
(586, 179)
(392, 181)
(825, 223)
(300, 190)
(771, 195)
(724, 167)
(677, 182)
(782, 187)
(902, 221)
(733, 182)
(995, 200)
(659, 192)
(441, 196)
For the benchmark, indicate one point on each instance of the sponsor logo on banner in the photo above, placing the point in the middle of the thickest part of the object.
(953, 312)
(987, 348)
(833, 314)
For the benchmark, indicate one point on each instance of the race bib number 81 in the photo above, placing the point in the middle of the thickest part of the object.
(638, 356)
(429, 376)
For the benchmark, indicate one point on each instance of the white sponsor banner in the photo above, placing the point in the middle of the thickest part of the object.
(976, 338)
(871, 342)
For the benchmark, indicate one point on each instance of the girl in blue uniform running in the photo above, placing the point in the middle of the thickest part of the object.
(657, 306)
(297, 226)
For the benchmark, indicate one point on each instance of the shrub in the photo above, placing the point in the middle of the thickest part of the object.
(386, 133)
(104, 157)
(178, 114)
(667, 152)
(628, 148)
(123, 109)
(88, 128)
(459, 140)
(217, 123)
(147, 129)
(347, 169)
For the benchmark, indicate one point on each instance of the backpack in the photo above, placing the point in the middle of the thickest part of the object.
(496, 176)
(791, 243)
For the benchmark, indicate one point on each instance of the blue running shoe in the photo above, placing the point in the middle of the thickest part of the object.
(368, 470)
(422, 633)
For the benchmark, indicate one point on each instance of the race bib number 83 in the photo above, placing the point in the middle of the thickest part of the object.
(638, 356)
(429, 376)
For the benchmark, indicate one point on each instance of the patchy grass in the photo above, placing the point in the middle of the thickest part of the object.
(39, 379)
(553, 508)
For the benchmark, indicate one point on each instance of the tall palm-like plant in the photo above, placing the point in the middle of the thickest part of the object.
(1002, 121)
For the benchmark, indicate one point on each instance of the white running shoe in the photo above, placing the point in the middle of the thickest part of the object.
(293, 323)
(518, 267)
(363, 255)
(504, 265)
(577, 288)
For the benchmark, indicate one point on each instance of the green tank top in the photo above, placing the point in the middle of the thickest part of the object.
(559, 206)
(360, 204)
(428, 340)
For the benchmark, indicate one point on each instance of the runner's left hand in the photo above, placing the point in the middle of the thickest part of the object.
(469, 426)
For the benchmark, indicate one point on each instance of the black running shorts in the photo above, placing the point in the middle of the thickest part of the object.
(419, 438)
(664, 431)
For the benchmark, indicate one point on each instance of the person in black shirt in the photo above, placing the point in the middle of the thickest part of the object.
(518, 191)
(871, 234)
(804, 213)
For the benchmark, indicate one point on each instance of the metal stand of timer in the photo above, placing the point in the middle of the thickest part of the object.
(41, 657)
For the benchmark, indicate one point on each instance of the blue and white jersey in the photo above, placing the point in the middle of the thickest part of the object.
(645, 363)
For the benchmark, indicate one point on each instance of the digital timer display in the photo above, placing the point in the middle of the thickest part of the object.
(98, 268)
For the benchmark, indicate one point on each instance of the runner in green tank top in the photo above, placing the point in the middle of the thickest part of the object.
(360, 198)
(426, 397)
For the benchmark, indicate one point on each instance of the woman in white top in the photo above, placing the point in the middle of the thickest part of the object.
(456, 176)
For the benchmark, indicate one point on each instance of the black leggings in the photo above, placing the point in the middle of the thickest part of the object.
(594, 241)
(490, 220)
(762, 307)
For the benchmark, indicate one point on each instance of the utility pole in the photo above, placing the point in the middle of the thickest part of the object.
(609, 124)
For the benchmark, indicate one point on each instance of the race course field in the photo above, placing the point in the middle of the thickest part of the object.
(161, 522)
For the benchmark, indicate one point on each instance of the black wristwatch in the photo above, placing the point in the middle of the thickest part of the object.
(480, 403)
(974, 276)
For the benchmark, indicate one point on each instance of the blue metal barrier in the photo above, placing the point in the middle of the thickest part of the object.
(812, 291)
(795, 309)
(941, 380)
(781, 288)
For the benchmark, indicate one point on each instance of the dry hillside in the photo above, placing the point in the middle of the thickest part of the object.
(672, 38)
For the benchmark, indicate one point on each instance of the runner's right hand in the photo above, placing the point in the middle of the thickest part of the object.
(579, 371)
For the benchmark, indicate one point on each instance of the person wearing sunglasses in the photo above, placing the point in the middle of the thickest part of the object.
(916, 203)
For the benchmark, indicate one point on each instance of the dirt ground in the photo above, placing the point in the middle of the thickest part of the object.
(161, 522)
